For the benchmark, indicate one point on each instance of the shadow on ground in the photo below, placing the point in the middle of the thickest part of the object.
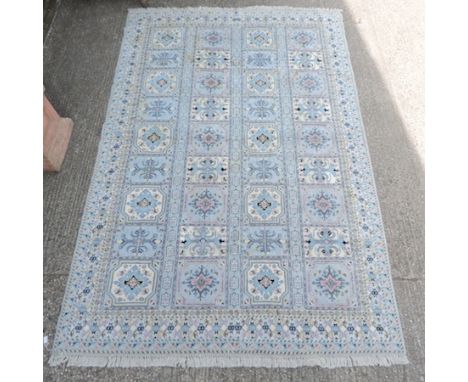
(80, 55)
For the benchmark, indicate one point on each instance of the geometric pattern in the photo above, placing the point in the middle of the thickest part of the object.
(232, 218)
(154, 138)
(262, 138)
(144, 169)
(264, 204)
(329, 284)
(159, 109)
(207, 170)
(202, 241)
(326, 242)
(304, 39)
(259, 83)
(208, 138)
(132, 283)
(200, 283)
(266, 282)
(144, 203)
(139, 241)
(316, 140)
(210, 109)
(258, 38)
(204, 205)
(265, 241)
(319, 171)
(261, 109)
(212, 59)
(311, 109)
(260, 169)
(211, 84)
(310, 83)
(305, 60)
(323, 205)
(260, 59)
(160, 82)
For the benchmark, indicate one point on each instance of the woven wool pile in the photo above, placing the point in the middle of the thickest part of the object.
(232, 218)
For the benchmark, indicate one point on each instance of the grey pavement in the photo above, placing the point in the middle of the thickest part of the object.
(385, 41)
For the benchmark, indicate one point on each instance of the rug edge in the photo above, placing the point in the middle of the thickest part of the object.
(266, 8)
(225, 361)
(357, 102)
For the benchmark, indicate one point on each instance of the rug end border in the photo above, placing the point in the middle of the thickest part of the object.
(148, 10)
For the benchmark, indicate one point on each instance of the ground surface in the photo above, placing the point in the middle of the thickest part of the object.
(385, 41)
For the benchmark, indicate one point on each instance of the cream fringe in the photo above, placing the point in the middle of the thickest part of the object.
(219, 360)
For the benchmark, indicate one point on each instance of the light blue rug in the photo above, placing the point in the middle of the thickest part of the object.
(232, 218)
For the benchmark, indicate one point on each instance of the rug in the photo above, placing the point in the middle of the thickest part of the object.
(232, 218)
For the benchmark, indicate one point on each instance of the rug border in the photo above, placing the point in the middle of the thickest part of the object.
(60, 357)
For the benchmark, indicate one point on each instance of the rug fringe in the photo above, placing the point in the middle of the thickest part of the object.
(223, 361)
(274, 10)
